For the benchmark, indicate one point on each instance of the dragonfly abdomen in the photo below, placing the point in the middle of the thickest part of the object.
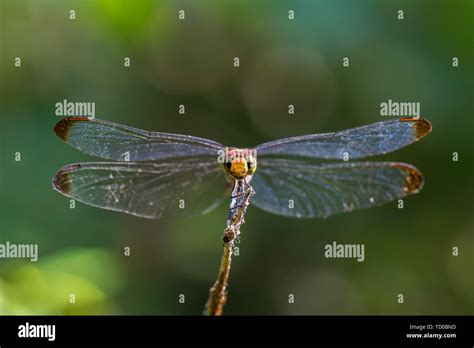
(238, 200)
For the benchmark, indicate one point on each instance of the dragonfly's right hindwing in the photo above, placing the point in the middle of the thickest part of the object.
(181, 187)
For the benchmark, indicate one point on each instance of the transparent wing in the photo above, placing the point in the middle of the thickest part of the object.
(300, 188)
(151, 190)
(116, 142)
(369, 140)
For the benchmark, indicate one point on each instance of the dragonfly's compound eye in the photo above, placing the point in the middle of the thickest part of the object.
(238, 168)
(252, 165)
(239, 163)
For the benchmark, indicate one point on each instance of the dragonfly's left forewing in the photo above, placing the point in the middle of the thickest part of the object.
(176, 187)
(370, 140)
(302, 188)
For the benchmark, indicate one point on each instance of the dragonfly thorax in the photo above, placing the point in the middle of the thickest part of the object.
(240, 163)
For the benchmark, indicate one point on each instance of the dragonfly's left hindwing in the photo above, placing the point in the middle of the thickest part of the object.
(302, 188)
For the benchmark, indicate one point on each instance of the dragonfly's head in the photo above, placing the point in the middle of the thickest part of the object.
(240, 163)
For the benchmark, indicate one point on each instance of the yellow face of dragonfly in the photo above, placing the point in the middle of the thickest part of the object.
(240, 163)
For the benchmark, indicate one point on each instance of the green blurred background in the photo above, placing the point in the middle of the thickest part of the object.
(190, 62)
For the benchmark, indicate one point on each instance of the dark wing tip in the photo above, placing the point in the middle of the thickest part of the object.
(414, 180)
(63, 127)
(421, 127)
(62, 181)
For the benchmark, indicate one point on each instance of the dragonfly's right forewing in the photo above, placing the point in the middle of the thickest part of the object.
(179, 187)
(117, 142)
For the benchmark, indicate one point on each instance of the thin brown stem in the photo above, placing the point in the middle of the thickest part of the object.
(218, 292)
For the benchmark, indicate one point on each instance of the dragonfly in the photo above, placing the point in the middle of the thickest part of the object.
(153, 174)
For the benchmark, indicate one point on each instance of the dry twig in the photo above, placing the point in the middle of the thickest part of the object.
(218, 292)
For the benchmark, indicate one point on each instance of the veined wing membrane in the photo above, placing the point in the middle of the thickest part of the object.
(177, 187)
(374, 139)
(300, 188)
(117, 142)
